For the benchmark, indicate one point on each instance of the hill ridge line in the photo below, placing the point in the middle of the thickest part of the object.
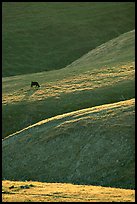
(89, 53)
(66, 115)
(93, 51)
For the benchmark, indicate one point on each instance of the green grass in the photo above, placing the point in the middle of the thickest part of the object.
(62, 192)
(93, 146)
(85, 83)
(79, 126)
(118, 50)
(41, 36)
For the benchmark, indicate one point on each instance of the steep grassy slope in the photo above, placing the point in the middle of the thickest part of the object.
(40, 36)
(118, 50)
(62, 192)
(91, 146)
(104, 75)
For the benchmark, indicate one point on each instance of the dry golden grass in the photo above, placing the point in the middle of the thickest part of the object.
(63, 192)
(89, 80)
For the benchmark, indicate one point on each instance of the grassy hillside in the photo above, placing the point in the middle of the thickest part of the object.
(93, 146)
(58, 192)
(118, 50)
(104, 75)
(40, 36)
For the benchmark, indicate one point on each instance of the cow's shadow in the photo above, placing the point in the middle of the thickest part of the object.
(29, 92)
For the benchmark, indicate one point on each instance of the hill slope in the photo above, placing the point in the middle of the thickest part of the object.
(92, 80)
(40, 36)
(118, 50)
(91, 146)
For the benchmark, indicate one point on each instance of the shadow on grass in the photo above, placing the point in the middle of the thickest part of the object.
(29, 93)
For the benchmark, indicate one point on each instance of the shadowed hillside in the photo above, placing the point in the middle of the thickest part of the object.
(42, 36)
(104, 75)
(72, 138)
(91, 146)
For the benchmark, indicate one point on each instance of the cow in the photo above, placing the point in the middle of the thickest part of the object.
(35, 83)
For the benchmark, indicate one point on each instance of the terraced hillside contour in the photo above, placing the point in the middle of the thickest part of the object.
(91, 146)
(43, 36)
(104, 75)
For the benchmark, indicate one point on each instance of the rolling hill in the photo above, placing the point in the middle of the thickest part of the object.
(104, 75)
(94, 146)
(43, 36)
(72, 139)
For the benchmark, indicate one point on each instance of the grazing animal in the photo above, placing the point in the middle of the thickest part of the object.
(11, 187)
(35, 83)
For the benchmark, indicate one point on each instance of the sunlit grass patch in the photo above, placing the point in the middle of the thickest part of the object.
(63, 192)
(87, 81)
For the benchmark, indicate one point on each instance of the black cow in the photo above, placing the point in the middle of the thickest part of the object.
(35, 83)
